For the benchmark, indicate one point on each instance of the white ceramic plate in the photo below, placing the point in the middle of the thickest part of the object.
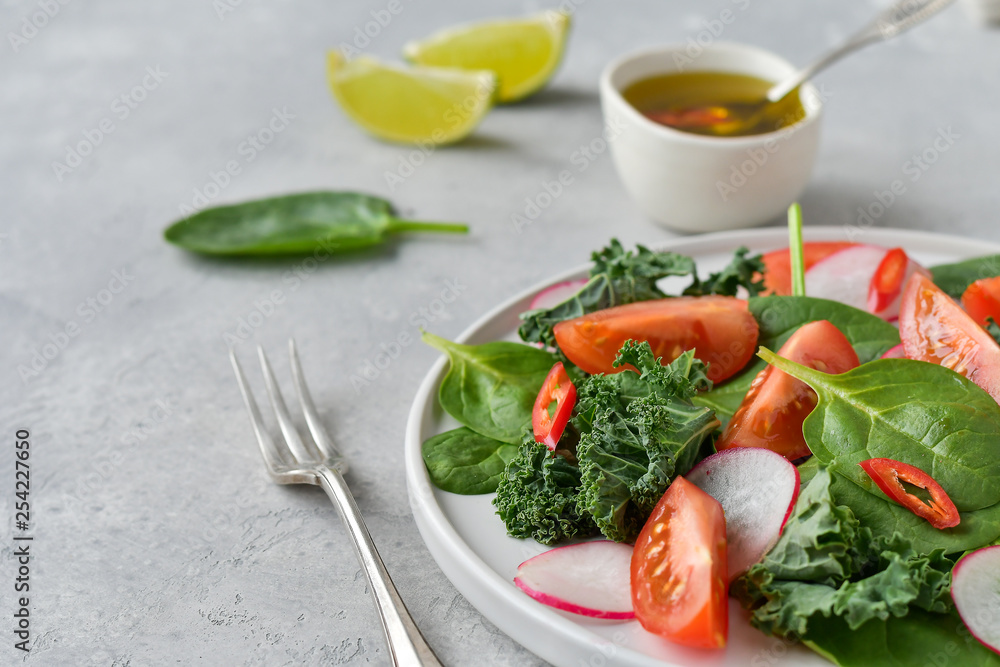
(469, 542)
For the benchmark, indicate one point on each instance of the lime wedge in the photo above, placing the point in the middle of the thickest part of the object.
(524, 52)
(411, 104)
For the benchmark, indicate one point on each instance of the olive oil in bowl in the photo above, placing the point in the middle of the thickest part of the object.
(713, 103)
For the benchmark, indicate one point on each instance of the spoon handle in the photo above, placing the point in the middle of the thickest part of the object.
(901, 16)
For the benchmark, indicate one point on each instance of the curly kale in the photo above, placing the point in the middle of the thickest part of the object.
(740, 272)
(638, 431)
(620, 277)
(537, 495)
(633, 432)
(826, 566)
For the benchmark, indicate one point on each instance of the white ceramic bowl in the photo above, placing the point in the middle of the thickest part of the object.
(695, 183)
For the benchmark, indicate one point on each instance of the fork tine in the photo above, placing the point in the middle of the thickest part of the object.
(295, 443)
(272, 454)
(319, 433)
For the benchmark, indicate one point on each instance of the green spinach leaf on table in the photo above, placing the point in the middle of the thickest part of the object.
(295, 224)
(919, 413)
(537, 495)
(781, 316)
(955, 278)
(463, 461)
(638, 432)
(491, 388)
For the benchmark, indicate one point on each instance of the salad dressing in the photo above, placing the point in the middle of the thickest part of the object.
(713, 103)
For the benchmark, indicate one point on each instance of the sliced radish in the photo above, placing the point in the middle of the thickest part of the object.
(757, 489)
(553, 295)
(975, 588)
(590, 579)
(895, 353)
(886, 289)
(846, 275)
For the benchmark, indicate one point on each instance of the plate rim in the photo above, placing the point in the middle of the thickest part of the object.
(455, 557)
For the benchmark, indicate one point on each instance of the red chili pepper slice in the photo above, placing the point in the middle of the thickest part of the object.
(887, 473)
(557, 388)
(887, 283)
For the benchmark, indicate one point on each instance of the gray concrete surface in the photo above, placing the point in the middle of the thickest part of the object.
(158, 538)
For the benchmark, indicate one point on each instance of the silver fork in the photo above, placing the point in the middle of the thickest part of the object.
(299, 461)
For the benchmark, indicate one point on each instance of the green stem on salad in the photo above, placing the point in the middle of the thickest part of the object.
(795, 247)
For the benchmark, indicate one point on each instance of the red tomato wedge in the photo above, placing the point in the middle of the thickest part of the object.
(720, 329)
(982, 300)
(940, 512)
(778, 263)
(934, 328)
(887, 282)
(558, 389)
(772, 412)
(679, 576)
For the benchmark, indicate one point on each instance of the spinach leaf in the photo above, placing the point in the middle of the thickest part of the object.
(491, 388)
(915, 412)
(955, 278)
(919, 638)
(295, 224)
(884, 517)
(742, 271)
(638, 432)
(618, 277)
(462, 461)
(537, 495)
(781, 316)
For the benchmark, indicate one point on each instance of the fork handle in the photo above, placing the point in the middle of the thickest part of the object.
(406, 645)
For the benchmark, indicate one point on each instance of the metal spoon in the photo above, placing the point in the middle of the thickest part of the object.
(730, 119)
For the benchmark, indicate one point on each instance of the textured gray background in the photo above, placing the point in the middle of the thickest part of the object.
(158, 537)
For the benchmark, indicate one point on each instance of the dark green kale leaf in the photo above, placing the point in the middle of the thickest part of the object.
(537, 495)
(618, 277)
(740, 272)
(638, 431)
(826, 566)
